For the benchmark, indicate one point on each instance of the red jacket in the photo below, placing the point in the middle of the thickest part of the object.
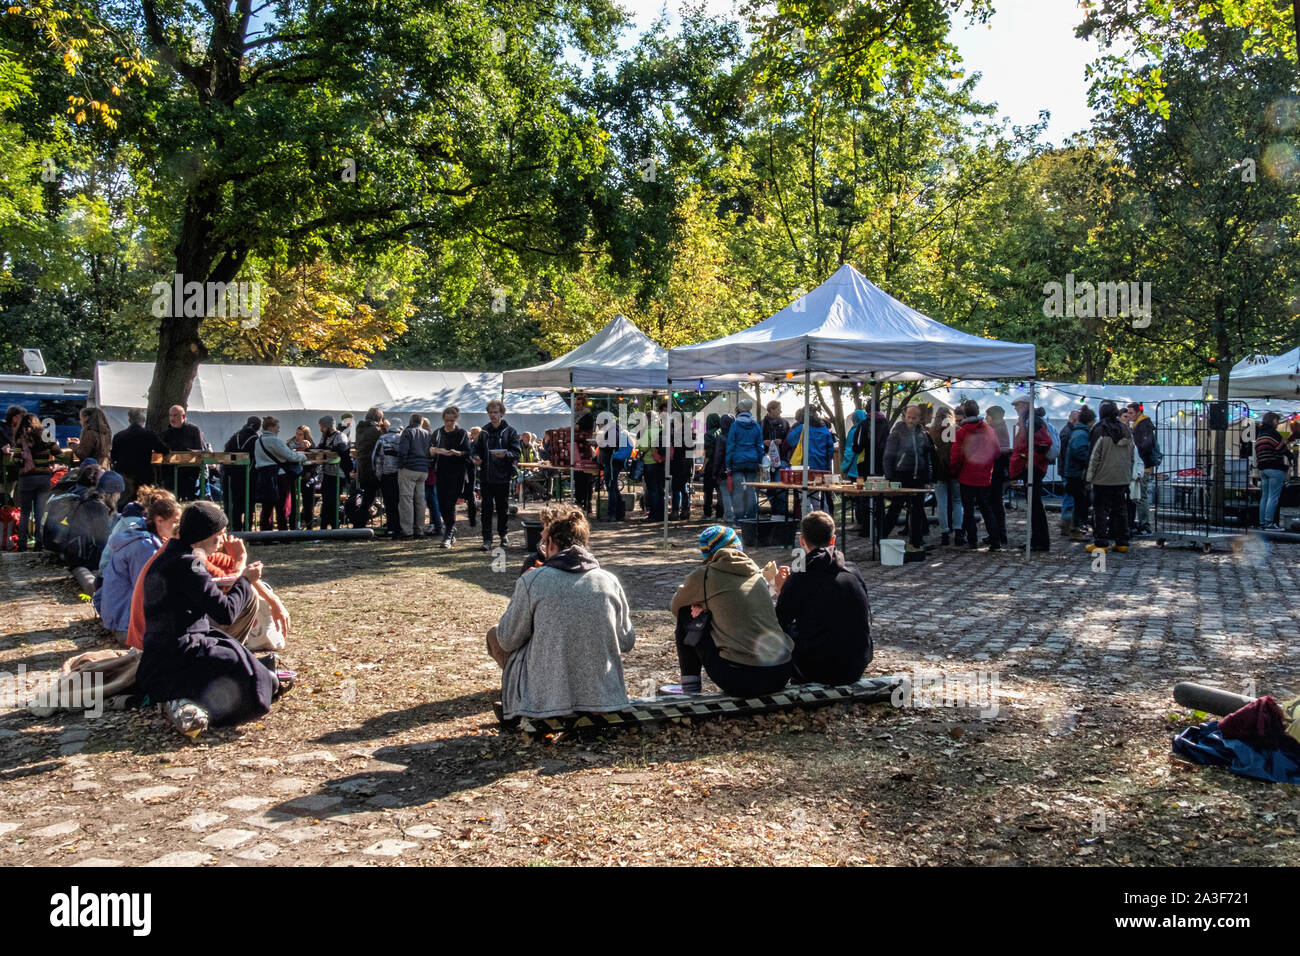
(973, 454)
(1020, 453)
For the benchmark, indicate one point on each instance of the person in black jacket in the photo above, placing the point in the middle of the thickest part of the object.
(909, 457)
(237, 480)
(451, 457)
(825, 610)
(202, 677)
(133, 451)
(182, 435)
(495, 454)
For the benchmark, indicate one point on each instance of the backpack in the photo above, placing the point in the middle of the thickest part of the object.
(1054, 452)
(384, 459)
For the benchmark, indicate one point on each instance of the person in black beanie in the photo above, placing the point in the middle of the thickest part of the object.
(201, 677)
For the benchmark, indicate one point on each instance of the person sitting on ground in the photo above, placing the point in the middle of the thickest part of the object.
(201, 677)
(824, 608)
(559, 642)
(740, 645)
(1110, 469)
(79, 519)
(133, 542)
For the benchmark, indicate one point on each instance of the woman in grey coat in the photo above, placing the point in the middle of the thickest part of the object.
(560, 641)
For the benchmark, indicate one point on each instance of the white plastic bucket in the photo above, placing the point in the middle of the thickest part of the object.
(891, 551)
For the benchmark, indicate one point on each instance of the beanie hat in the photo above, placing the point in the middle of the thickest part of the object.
(718, 536)
(133, 509)
(326, 421)
(200, 520)
(110, 483)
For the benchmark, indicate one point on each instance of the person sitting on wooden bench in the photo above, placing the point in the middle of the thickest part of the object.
(824, 608)
(726, 624)
(560, 641)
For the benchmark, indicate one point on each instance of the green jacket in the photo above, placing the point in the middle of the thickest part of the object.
(745, 628)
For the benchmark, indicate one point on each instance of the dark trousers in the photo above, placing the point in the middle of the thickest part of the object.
(307, 513)
(617, 506)
(1038, 536)
(917, 523)
(369, 488)
(654, 491)
(448, 494)
(33, 494)
(233, 480)
(279, 508)
(711, 509)
(582, 484)
(388, 490)
(680, 493)
(496, 497)
(736, 680)
(1110, 515)
(1077, 489)
(997, 496)
(329, 501)
(971, 497)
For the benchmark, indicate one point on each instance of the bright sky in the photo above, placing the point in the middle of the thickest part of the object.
(1027, 54)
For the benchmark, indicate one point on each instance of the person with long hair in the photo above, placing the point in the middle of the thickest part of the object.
(35, 467)
(96, 439)
(134, 540)
(305, 506)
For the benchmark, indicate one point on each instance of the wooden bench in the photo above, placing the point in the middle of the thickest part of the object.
(673, 708)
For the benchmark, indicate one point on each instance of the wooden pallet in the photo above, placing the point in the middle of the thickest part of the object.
(674, 708)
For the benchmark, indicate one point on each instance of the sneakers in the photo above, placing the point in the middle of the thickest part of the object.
(505, 541)
(1122, 548)
(186, 716)
(1096, 547)
(486, 545)
(287, 679)
(448, 540)
(912, 548)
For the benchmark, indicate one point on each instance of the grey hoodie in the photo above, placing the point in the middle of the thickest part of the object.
(565, 629)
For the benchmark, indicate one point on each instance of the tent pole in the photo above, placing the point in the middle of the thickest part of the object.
(573, 445)
(806, 433)
(1029, 474)
(871, 465)
(665, 434)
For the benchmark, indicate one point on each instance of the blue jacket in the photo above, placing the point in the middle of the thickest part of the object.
(1077, 452)
(849, 460)
(821, 446)
(130, 547)
(745, 444)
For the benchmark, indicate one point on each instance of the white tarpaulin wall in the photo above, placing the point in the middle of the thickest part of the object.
(843, 329)
(224, 396)
(1262, 376)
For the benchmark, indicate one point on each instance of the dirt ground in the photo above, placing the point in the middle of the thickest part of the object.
(387, 752)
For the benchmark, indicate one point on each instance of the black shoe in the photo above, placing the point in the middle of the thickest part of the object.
(487, 545)
(960, 539)
(943, 542)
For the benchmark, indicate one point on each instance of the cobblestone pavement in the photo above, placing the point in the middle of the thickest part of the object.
(123, 789)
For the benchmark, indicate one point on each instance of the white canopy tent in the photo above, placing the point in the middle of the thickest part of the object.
(848, 328)
(618, 358)
(224, 396)
(1262, 376)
